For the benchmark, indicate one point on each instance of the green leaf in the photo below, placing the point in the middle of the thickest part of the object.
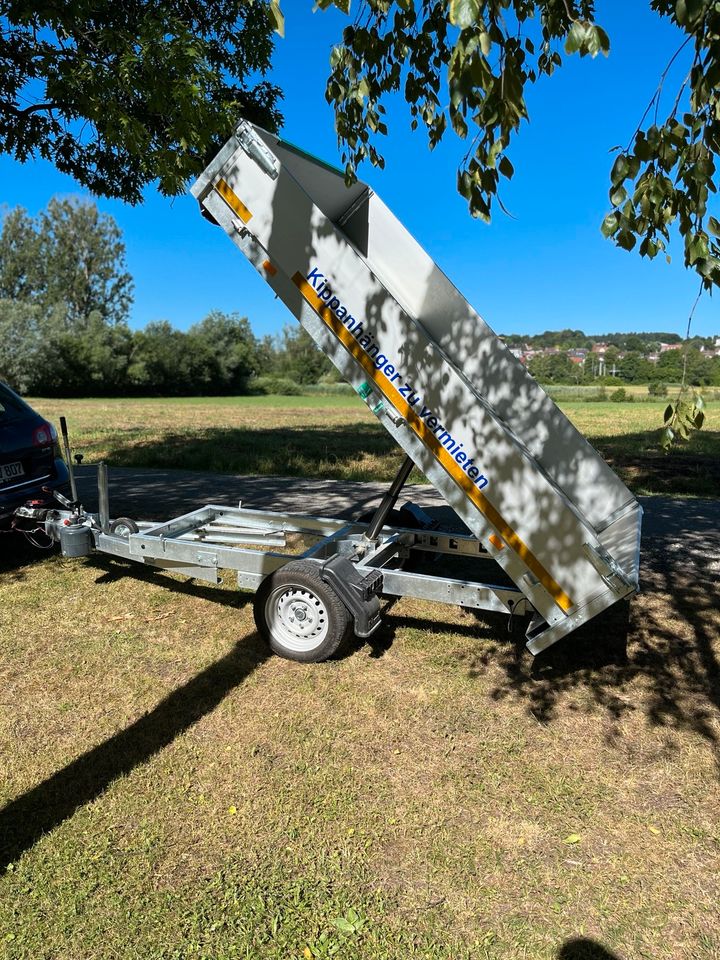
(633, 165)
(714, 226)
(464, 13)
(610, 224)
(575, 38)
(625, 239)
(343, 925)
(697, 248)
(699, 420)
(667, 416)
(592, 44)
(278, 17)
(689, 11)
(619, 170)
(479, 209)
(458, 124)
(464, 184)
(573, 838)
(494, 152)
(667, 438)
(604, 40)
(506, 168)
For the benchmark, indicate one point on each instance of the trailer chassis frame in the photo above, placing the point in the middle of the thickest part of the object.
(186, 545)
(254, 544)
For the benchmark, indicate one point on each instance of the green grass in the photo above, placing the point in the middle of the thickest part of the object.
(169, 791)
(336, 437)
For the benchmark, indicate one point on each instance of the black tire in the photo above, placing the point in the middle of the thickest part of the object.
(123, 527)
(293, 590)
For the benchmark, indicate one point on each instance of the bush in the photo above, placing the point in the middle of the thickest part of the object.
(279, 386)
(658, 389)
(620, 396)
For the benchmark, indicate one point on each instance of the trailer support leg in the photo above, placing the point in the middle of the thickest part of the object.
(389, 500)
(68, 459)
(103, 498)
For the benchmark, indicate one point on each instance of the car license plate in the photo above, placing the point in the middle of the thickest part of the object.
(10, 471)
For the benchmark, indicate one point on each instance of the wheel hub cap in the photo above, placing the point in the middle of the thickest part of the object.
(297, 618)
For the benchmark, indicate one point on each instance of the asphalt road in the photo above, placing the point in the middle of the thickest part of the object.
(676, 532)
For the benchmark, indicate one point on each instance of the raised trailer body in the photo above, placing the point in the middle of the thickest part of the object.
(528, 485)
(536, 498)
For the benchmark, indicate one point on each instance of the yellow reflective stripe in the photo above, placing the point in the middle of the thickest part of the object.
(421, 429)
(233, 200)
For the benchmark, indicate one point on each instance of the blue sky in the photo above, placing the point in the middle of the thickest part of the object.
(548, 268)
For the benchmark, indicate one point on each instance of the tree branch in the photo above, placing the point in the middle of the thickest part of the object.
(656, 96)
(571, 17)
(26, 111)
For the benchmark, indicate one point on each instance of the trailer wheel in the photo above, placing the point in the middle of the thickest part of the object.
(299, 615)
(123, 527)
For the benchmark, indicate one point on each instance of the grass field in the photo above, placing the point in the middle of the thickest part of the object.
(168, 791)
(337, 437)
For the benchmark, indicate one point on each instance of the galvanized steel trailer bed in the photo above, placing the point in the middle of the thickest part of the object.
(534, 494)
(350, 563)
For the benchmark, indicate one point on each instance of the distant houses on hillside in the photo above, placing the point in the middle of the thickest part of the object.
(601, 354)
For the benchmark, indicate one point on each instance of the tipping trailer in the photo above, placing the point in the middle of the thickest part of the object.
(535, 496)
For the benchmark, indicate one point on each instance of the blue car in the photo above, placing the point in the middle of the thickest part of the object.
(30, 457)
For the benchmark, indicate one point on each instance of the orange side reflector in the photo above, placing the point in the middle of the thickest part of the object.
(496, 541)
(233, 200)
(269, 268)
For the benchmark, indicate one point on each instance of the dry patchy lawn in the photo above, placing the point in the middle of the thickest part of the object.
(169, 791)
(338, 438)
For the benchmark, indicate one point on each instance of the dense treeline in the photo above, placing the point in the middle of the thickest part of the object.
(577, 339)
(65, 296)
(220, 355)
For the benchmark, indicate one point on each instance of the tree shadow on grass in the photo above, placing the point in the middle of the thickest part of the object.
(315, 452)
(662, 658)
(26, 819)
(364, 451)
(659, 654)
(691, 469)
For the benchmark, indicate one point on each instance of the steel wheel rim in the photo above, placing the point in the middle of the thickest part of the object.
(297, 618)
